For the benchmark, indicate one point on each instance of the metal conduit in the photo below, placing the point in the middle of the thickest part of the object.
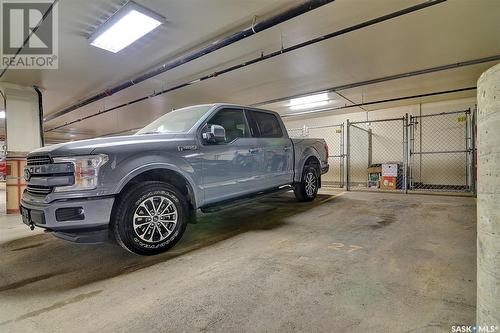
(386, 78)
(265, 57)
(252, 30)
(379, 102)
(347, 106)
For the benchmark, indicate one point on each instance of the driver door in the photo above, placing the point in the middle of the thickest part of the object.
(230, 167)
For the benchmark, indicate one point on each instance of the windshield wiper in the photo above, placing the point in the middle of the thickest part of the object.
(153, 132)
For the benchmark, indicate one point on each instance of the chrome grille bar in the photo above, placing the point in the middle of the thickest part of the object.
(38, 160)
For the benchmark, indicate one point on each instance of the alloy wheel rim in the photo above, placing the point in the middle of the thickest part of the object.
(310, 184)
(155, 219)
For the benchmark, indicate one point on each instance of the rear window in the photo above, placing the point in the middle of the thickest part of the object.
(267, 125)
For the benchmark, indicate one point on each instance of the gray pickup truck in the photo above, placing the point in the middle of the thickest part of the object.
(143, 189)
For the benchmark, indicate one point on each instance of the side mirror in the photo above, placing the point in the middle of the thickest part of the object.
(217, 134)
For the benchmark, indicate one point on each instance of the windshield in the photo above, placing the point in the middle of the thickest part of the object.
(178, 121)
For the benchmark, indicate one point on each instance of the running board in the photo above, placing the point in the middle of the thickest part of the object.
(243, 200)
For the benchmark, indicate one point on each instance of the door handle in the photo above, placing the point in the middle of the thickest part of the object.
(253, 150)
(286, 148)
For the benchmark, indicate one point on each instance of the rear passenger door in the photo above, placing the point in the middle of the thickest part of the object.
(277, 166)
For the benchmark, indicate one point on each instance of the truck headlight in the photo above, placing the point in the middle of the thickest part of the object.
(86, 171)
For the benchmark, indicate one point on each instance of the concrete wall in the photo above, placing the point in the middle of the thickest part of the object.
(488, 199)
(437, 134)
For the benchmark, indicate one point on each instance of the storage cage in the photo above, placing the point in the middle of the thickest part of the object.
(376, 155)
(441, 152)
(334, 137)
(423, 153)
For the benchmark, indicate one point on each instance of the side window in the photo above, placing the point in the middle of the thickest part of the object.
(233, 121)
(267, 124)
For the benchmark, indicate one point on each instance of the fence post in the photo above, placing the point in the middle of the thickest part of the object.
(370, 147)
(474, 150)
(470, 146)
(411, 148)
(405, 153)
(467, 154)
(342, 155)
(347, 155)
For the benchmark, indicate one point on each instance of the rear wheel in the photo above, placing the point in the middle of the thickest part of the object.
(307, 189)
(150, 218)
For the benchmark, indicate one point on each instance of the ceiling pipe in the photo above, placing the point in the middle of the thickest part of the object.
(40, 114)
(384, 79)
(338, 108)
(265, 57)
(332, 89)
(295, 114)
(219, 44)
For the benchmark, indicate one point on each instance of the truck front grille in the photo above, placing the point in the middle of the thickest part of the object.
(38, 160)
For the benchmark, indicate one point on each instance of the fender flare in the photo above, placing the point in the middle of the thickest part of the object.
(306, 154)
(159, 165)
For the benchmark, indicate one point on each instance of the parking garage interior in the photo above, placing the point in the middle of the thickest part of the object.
(402, 236)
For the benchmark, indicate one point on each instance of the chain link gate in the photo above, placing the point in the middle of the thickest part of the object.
(377, 155)
(441, 148)
(427, 153)
(334, 137)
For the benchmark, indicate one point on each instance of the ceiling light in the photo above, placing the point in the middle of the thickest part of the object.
(127, 25)
(308, 105)
(308, 102)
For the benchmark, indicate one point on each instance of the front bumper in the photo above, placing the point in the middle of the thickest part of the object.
(91, 227)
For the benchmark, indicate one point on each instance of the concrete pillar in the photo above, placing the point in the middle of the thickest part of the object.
(22, 136)
(488, 198)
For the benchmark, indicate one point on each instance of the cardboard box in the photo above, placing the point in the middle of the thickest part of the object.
(388, 183)
(374, 169)
(390, 169)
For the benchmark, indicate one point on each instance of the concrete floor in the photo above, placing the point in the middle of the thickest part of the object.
(357, 262)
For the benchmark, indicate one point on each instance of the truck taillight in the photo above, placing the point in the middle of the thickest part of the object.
(326, 150)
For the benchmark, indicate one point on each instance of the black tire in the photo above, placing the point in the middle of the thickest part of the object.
(302, 192)
(128, 211)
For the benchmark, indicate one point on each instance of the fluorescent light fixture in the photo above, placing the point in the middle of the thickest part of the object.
(308, 105)
(308, 102)
(124, 27)
(2, 114)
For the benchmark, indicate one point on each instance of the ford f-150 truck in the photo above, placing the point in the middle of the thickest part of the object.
(142, 189)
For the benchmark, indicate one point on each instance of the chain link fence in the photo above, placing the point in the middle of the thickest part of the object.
(334, 137)
(441, 152)
(297, 133)
(413, 153)
(376, 155)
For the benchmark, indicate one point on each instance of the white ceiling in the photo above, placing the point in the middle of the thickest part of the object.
(455, 31)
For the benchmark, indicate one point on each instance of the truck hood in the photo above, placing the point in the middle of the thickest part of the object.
(98, 145)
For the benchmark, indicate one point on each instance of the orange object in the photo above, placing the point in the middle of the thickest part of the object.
(388, 183)
(15, 183)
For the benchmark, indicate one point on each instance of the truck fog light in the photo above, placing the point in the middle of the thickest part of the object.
(70, 214)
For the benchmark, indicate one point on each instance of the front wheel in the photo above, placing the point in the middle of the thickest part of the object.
(150, 218)
(307, 189)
